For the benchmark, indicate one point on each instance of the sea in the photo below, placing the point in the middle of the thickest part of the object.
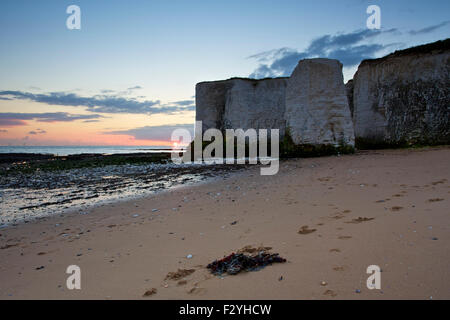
(70, 150)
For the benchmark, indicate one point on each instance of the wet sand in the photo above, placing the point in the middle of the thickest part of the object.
(329, 217)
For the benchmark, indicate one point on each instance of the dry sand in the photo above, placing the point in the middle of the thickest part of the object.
(386, 208)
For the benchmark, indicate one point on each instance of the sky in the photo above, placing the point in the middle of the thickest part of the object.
(128, 76)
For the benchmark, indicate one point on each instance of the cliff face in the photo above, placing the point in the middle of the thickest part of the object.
(210, 98)
(256, 104)
(404, 98)
(401, 99)
(317, 111)
(242, 104)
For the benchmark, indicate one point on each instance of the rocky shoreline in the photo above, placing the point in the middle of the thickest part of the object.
(35, 186)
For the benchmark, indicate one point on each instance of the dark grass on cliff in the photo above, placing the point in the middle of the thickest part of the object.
(288, 149)
(255, 81)
(437, 47)
(377, 144)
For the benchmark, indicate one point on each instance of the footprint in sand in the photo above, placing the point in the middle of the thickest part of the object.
(197, 291)
(344, 237)
(337, 216)
(181, 283)
(396, 208)
(435, 200)
(330, 293)
(305, 230)
(439, 182)
(150, 292)
(335, 250)
(360, 220)
(7, 246)
(339, 268)
(180, 274)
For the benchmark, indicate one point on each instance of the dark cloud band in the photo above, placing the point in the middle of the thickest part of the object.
(345, 47)
(10, 119)
(100, 103)
(160, 133)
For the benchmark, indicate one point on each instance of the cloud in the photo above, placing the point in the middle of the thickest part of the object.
(98, 103)
(91, 121)
(38, 131)
(10, 119)
(160, 133)
(184, 103)
(346, 47)
(11, 122)
(429, 29)
(135, 88)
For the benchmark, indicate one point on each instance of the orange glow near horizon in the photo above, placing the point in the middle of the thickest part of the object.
(79, 132)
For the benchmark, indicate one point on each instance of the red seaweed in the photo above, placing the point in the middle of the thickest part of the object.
(237, 262)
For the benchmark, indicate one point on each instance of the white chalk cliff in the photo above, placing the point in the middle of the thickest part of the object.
(404, 98)
(317, 110)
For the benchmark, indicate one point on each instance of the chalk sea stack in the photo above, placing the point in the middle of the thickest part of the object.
(317, 110)
(241, 103)
(402, 99)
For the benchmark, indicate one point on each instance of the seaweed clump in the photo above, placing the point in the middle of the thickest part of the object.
(237, 262)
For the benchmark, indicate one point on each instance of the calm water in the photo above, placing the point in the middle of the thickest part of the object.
(67, 150)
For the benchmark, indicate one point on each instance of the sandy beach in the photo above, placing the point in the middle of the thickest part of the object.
(387, 208)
